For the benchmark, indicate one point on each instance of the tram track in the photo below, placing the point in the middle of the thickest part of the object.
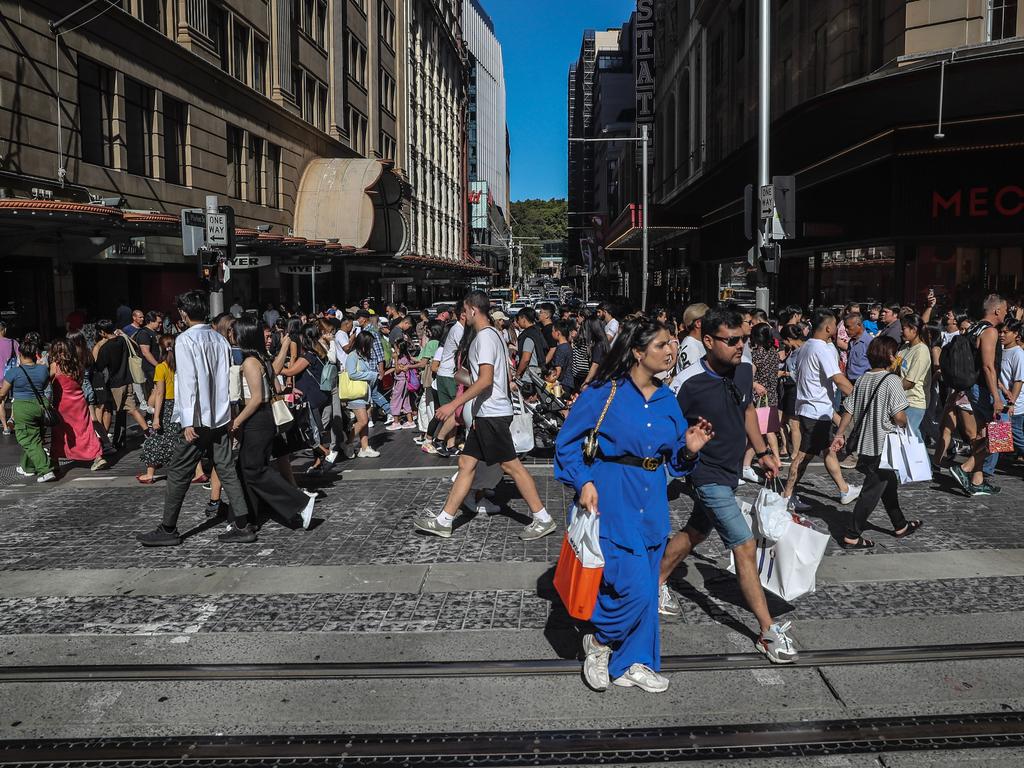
(719, 743)
(489, 668)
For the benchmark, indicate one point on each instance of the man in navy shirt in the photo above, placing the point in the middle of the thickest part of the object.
(857, 352)
(720, 389)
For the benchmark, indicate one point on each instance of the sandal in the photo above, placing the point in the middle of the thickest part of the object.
(200, 479)
(912, 526)
(145, 480)
(861, 543)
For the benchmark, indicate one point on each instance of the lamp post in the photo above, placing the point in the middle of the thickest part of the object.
(644, 140)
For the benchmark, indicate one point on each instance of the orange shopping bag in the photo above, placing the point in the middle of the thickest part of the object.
(580, 565)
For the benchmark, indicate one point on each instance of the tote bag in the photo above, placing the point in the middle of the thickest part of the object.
(522, 425)
(580, 565)
(907, 456)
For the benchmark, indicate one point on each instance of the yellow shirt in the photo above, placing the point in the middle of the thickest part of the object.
(166, 375)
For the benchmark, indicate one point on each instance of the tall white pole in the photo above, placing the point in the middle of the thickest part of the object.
(764, 90)
(643, 213)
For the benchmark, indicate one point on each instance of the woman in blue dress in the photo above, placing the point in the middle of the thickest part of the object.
(642, 429)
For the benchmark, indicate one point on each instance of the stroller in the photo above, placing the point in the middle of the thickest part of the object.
(546, 409)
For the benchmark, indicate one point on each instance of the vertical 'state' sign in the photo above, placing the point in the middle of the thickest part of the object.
(643, 64)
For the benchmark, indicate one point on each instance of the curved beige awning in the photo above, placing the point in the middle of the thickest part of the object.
(357, 201)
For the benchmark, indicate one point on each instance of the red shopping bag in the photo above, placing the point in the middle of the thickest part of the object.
(1000, 435)
(580, 565)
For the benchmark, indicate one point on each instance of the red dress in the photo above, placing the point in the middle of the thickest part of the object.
(74, 438)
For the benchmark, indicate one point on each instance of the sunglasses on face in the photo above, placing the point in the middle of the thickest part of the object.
(730, 341)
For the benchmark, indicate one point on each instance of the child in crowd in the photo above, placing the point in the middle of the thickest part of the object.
(401, 397)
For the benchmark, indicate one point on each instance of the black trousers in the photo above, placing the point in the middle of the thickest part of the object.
(182, 469)
(261, 482)
(878, 484)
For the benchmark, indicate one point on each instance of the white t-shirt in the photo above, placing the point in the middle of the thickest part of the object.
(691, 352)
(1012, 370)
(611, 329)
(488, 348)
(451, 346)
(747, 356)
(948, 336)
(814, 386)
(341, 340)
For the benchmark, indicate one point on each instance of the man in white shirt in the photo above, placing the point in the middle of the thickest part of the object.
(817, 377)
(691, 348)
(271, 316)
(611, 325)
(202, 407)
(236, 309)
(489, 440)
(444, 442)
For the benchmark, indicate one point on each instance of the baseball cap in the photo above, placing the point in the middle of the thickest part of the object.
(352, 310)
(693, 313)
(498, 315)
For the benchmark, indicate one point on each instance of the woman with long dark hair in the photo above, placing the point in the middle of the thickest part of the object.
(158, 448)
(639, 428)
(765, 357)
(596, 341)
(360, 368)
(307, 366)
(74, 436)
(255, 428)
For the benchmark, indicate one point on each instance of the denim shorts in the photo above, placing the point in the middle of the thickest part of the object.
(981, 403)
(716, 506)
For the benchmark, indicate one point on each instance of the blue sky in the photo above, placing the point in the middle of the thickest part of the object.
(540, 39)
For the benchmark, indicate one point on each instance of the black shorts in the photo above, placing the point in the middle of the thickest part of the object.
(815, 435)
(490, 440)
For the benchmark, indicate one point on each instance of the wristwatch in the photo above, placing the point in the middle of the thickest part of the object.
(763, 453)
(689, 455)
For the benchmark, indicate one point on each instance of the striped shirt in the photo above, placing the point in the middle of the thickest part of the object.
(872, 427)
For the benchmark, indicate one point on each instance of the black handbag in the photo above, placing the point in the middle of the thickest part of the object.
(302, 434)
(49, 416)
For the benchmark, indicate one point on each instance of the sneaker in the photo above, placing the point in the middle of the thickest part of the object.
(312, 471)
(961, 477)
(538, 530)
(851, 495)
(389, 420)
(643, 677)
(796, 504)
(750, 475)
(212, 508)
(207, 486)
(428, 447)
(776, 644)
(99, 464)
(394, 427)
(307, 511)
(740, 481)
(351, 451)
(985, 489)
(369, 424)
(595, 665)
(448, 453)
(421, 440)
(850, 462)
(331, 457)
(236, 535)
(487, 507)
(159, 538)
(49, 477)
(434, 526)
(24, 472)
(409, 425)
(668, 605)
(368, 453)
(7, 432)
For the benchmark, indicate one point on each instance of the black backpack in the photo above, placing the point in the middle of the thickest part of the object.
(958, 360)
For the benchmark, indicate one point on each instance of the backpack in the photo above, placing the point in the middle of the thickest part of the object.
(959, 361)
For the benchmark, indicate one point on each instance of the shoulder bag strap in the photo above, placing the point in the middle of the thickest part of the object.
(508, 376)
(31, 383)
(867, 406)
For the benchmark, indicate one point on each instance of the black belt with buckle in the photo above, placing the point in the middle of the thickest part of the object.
(650, 463)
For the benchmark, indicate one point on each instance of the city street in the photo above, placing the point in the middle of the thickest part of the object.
(361, 588)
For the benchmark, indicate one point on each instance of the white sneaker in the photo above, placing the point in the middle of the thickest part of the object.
(331, 457)
(24, 472)
(595, 665)
(368, 453)
(668, 605)
(47, 478)
(369, 424)
(409, 425)
(389, 420)
(796, 504)
(487, 507)
(307, 511)
(751, 475)
(776, 644)
(851, 495)
(394, 427)
(643, 677)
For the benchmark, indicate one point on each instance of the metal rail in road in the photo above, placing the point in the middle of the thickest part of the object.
(490, 668)
(718, 743)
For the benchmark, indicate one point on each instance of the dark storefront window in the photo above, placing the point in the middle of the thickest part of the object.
(95, 112)
(962, 276)
(175, 121)
(856, 274)
(138, 127)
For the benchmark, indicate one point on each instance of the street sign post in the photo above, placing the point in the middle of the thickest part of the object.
(217, 230)
(193, 230)
(767, 194)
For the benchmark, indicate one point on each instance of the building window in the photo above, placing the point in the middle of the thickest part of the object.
(254, 171)
(387, 91)
(386, 19)
(297, 86)
(1002, 19)
(234, 160)
(175, 122)
(321, 107)
(151, 13)
(259, 66)
(361, 5)
(138, 125)
(356, 130)
(241, 61)
(387, 146)
(356, 60)
(308, 99)
(308, 16)
(820, 72)
(95, 112)
(217, 28)
(273, 176)
(321, 23)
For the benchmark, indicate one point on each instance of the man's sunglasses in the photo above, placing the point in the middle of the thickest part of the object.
(729, 341)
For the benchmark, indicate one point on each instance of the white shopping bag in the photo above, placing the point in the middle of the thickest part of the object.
(788, 568)
(771, 514)
(585, 537)
(424, 411)
(522, 425)
(907, 456)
